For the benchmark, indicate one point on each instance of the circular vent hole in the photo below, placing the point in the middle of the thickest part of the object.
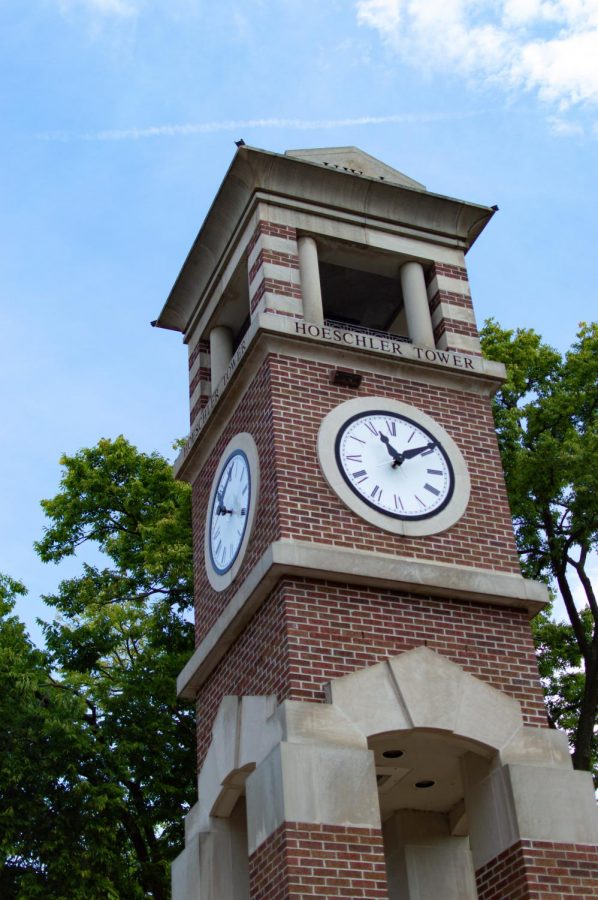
(393, 754)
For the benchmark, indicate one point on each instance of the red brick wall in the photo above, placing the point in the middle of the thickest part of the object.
(538, 870)
(308, 633)
(305, 861)
(451, 271)
(257, 663)
(272, 228)
(309, 511)
(283, 410)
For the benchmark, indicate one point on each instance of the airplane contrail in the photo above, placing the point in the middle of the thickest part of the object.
(135, 134)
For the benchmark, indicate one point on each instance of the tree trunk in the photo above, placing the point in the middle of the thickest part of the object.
(584, 733)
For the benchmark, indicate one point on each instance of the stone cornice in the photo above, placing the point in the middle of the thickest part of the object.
(287, 180)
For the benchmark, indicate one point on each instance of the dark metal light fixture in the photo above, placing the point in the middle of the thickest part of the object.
(345, 378)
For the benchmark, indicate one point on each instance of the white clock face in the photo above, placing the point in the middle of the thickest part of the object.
(229, 514)
(394, 465)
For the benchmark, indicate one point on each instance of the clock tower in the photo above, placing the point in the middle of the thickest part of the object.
(370, 717)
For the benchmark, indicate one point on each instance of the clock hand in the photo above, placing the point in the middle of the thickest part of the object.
(396, 456)
(222, 510)
(415, 451)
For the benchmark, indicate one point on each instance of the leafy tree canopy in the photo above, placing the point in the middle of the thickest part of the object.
(546, 417)
(116, 747)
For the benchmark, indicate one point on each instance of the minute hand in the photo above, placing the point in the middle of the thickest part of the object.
(415, 451)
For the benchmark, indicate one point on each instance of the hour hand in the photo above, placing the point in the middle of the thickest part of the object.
(397, 457)
(415, 451)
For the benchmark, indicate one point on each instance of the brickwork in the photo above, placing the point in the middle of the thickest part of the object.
(283, 410)
(197, 408)
(301, 397)
(455, 327)
(305, 861)
(450, 271)
(540, 870)
(272, 229)
(448, 292)
(454, 299)
(201, 374)
(200, 347)
(279, 288)
(273, 273)
(257, 663)
(309, 632)
(284, 260)
(199, 378)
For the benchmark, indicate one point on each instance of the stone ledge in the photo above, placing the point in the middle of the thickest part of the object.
(377, 570)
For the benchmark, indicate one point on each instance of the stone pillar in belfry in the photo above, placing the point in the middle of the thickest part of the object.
(221, 351)
(309, 273)
(415, 298)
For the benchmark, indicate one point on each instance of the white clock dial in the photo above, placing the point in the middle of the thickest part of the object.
(229, 513)
(231, 510)
(394, 464)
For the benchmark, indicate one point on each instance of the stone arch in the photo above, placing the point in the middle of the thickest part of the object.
(420, 689)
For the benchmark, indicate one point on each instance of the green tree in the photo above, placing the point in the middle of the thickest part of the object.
(546, 416)
(121, 635)
(55, 800)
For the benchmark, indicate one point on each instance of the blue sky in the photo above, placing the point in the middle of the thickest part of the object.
(118, 119)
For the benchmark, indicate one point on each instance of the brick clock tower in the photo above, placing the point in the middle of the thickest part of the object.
(370, 718)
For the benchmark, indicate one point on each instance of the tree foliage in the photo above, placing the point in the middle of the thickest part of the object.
(546, 417)
(110, 745)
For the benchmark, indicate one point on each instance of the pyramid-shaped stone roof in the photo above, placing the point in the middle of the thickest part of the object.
(356, 162)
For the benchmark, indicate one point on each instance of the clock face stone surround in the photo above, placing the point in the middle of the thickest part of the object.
(231, 510)
(419, 496)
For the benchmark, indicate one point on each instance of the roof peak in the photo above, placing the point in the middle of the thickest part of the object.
(356, 162)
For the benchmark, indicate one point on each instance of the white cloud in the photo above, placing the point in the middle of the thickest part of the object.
(565, 127)
(547, 46)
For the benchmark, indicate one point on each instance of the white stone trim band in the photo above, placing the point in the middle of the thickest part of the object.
(376, 570)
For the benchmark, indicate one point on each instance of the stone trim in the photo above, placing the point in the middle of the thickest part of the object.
(354, 567)
(463, 343)
(275, 259)
(276, 286)
(451, 311)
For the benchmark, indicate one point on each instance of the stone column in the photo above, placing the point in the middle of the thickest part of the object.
(221, 352)
(309, 273)
(532, 824)
(424, 860)
(417, 310)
